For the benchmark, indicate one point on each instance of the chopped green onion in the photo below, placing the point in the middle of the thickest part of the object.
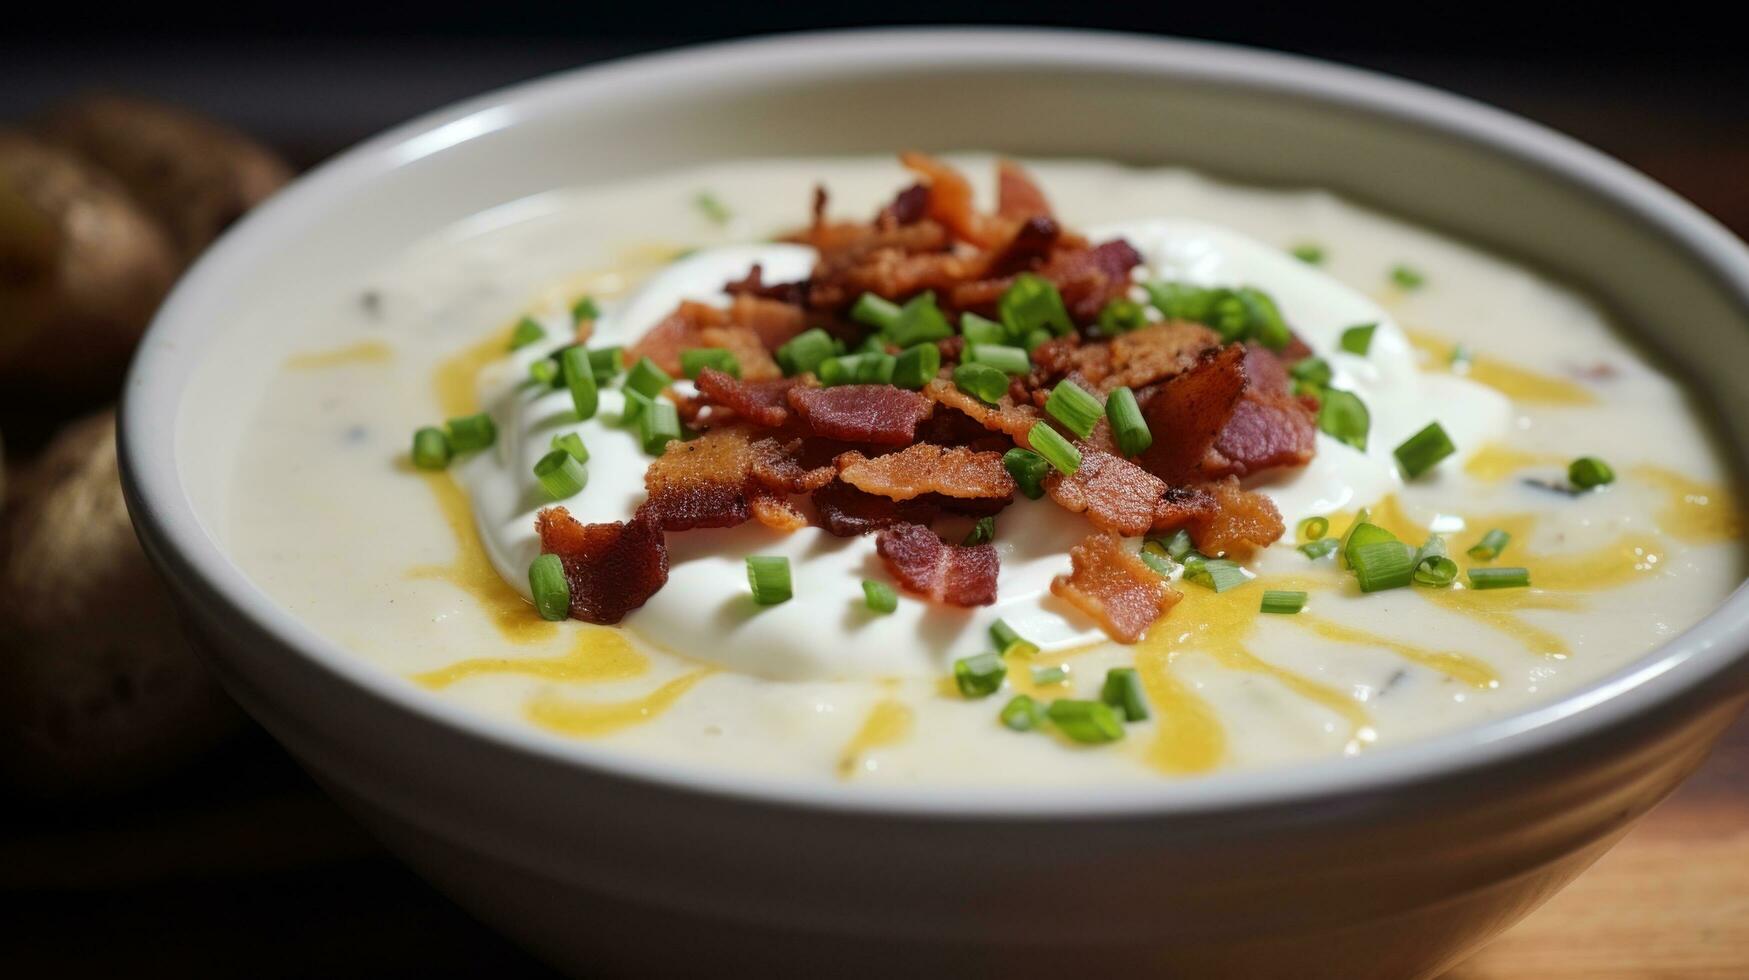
(471, 432)
(1022, 713)
(1128, 429)
(579, 376)
(879, 596)
(1123, 691)
(840, 370)
(658, 424)
(1178, 545)
(1161, 565)
(1122, 315)
(544, 372)
(1283, 601)
(1423, 450)
(1344, 417)
(1360, 535)
(1090, 722)
(917, 365)
(1033, 338)
(1058, 451)
(876, 312)
(637, 403)
(1319, 548)
(1460, 359)
(919, 321)
(1043, 676)
(647, 379)
(1407, 277)
(1309, 253)
(1436, 572)
(978, 330)
(979, 676)
(1071, 405)
(805, 351)
(606, 363)
(1587, 472)
(1314, 371)
(1362, 517)
(572, 443)
(527, 331)
(876, 368)
(768, 575)
(1265, 323)
(1489, 548)
(585, 309)
(1382, 565)
(1246, 313)
(1313, 528)
(560, 474)
(695, 360)
(1219, 574)
(1358, 339)
(430, 448)
(711, 208)
(981, 381)
(983, 532)
(1004, 635)
(1033, 303)
(552, 593)
(1008, 360)
(1499, 578)
(1028, 469)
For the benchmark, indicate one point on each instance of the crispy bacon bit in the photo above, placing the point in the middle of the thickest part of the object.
(762, 403)
(959, 575)
(700, 483)
(756, 362)
(1005, 416)
(775, 323)
(611, 568)
(924, 468)
(1029, 246)
(1017, 195)
(950, 198)
(1114, 493)
(779, 467)
(879, 414)
(847, 512)
(775, 512)
(908, 207)
(1189, 412)
(792, 293)
(1092, 277)
(1156, 352)
(1270, 427)
(1241, 522)
(1183, 506)
(1112, 585)
(681, 330)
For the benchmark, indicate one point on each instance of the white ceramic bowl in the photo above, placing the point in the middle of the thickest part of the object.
(1393, 864)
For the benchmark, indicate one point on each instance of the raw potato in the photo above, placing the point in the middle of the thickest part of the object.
(99, 691)
(82, 268)
(193, 175)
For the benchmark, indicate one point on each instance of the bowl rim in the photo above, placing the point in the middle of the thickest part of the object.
(165, 518)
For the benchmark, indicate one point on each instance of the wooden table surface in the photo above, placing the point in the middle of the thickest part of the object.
(241, 867)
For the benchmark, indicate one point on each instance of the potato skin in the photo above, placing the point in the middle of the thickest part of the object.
(193, 175)
(99, 691)
(82, 268)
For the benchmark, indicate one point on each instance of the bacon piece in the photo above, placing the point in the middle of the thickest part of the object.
(908, 207)
(1109, 583)
(1114, 493)
(924, 469)
(755, 361)
(779, 468)
(611, 568)
(1006, 416)
(1183, 506)
(847, 512)
(1269, 427)
(792, 293)
(1026, 249)
(775, 512)
(762, 403)
(1188, 414)
(1156, 352)
(1241, 522)
(959, 575)
(775, 323)
(1017, 195)
(681, 330)
(701, 482)
(879, 414)
(950, 198)
(1090, 278)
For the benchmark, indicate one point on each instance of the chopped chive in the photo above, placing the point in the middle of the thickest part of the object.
(1489, 548)
(647, 379)
(1071, 405)
(1361, 517)
(527, 331)
(560, 474)
(471, 432)
(1460, 358)
(1029, 470)
(1008, 360)
(983, 532)
(840, 370)
(1314, 371)
(876, 368)
(1423, 450)
(579, 377)
(1358, 339)
(1587, 472)
(1058, 451)
(1382, 565)
(1344, 417)
(1128, 429)
(1362, 534)
(874, 343)
(1499, 578)
(1123, 691)
(1407, 277)
(1033, 303)
(1283, 601)
(805, 351)
(606, 363)
(658, 424)
(981, 381)
(695, 360)
(876, 312)
(1313, 528)
(1161, 565)
(768, 576)
(544, 372)
(637, 403)
(978, 330)
(979, 676)
(572, 443)
(919, 321)
(1020, 649)
(1265, 322)
(430, 448)
(1219, 574)
(879, 596)
(1246, 313)
(1308, 252)
(552, 593)
(1319, 548)
(1122, 315)
(1004, 635)
(1436, 571)
(1178, 545)
(1022, 713)
(917, 365)
(1043, 676)
(1090, 722)
(711, 208)
(585, 309)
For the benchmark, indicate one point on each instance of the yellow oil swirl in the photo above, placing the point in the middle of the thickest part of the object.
(1695, 512)
(1515, 382)
(889, 722)
(598, 655)
(364, 352)
(1458, 666)
(593, 719)
(1494, 462)
(473, 572)
(456, 380)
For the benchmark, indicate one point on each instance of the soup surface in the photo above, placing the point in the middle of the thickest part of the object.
(425, 572)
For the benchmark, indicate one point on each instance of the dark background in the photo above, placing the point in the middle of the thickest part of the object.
(240, 867)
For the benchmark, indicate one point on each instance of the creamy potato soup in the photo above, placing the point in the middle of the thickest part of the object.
(1532, 504)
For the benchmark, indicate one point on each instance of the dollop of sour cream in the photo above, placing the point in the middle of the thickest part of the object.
(826, 632)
